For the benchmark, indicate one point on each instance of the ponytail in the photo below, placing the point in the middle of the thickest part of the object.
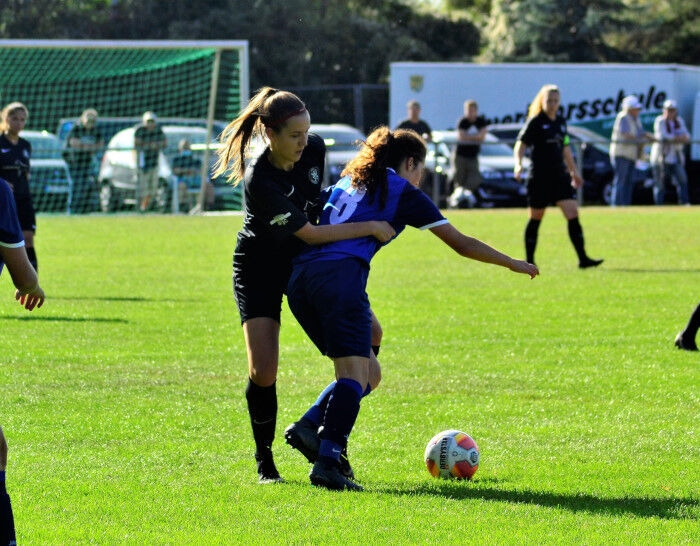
(269, 108)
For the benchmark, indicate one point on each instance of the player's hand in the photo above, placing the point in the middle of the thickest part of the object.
(518, 172)
(576, 180)
(383, 231)
(521, 266)
(33, 299)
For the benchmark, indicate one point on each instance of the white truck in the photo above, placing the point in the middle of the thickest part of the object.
(591, 93)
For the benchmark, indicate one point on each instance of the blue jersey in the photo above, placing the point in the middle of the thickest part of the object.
(405, 205)
(10, 231)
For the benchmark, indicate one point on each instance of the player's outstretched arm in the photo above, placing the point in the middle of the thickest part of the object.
(476, 250)
(25, 279)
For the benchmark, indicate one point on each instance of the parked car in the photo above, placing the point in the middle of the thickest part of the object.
(342, 144)
(496, 164)
(50, 182)
(596, 167)
(117, 177)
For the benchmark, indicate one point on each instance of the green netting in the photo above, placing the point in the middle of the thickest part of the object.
(121, 81)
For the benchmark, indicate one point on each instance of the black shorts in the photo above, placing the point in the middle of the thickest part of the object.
(549, 188)
(25, 212)
(258, 286)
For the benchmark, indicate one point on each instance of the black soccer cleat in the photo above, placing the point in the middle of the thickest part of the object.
(588, 262)
(327, 474)
(682, 343)
(267, 471)
(303, 436)
(345, 468)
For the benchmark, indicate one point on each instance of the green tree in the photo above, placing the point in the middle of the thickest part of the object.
(553, 30)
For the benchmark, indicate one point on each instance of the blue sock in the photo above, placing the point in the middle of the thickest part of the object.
(315, 412)
(343, 407)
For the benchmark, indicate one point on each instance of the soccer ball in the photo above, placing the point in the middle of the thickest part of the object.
(452, 454)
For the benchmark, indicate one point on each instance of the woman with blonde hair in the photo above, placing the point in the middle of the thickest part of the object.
(15, 155)
(554, 176)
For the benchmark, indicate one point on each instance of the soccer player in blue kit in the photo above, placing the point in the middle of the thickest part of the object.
(281, 188)
(30, 295)
(327, 288)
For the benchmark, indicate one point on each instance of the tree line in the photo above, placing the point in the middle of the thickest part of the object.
(297, 43)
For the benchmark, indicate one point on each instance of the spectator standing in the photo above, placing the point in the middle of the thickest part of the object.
(83, 142)
(15, 155)
(667, 157)
(414, 121)
(627, 146)
(471, 131)
(187, 168)
(149, 141)
(554, 175)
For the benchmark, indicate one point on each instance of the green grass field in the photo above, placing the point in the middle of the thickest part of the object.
(124, 395)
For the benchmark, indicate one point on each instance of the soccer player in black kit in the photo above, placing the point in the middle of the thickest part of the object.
(281, 186)
(554, 176)
(15, 153)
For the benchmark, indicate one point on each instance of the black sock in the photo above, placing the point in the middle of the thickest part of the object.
(341, 413)
(262, 407)
(31, 254)
(691, 329)
(533, 226)
(576, 236)
(7, 521)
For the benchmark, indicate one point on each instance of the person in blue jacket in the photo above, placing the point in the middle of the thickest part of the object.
(327, 288)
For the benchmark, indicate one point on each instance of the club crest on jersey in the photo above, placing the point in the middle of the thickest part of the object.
(280, 219)
(314, 176)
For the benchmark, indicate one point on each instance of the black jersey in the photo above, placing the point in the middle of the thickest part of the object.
(547, 138)
(14, 164)
(473, 128)
(277, 204)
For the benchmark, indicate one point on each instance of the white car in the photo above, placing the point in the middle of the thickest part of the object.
(118, 173)
(342, 144)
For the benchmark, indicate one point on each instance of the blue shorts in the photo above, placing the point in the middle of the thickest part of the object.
(329, 299)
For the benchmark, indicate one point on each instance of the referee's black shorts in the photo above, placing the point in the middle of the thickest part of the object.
(25, 212)
(549, 188)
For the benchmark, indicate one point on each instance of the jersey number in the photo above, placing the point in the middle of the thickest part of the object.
(343, 204)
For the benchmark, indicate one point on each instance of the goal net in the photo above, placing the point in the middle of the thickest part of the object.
(193, 87)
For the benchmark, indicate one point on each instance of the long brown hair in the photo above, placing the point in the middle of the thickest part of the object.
(383, 149)
(269, 108)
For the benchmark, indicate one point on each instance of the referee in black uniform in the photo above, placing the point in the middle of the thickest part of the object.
(554, 176)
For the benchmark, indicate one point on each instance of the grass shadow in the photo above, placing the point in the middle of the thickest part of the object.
(65, 319)
(651, 270)
(646, 507)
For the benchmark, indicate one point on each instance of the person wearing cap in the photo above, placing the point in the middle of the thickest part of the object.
(667, 158)
(149, 140)
(83, 141)
(627, 144)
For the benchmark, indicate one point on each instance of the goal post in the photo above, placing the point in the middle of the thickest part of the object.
(202, 84)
